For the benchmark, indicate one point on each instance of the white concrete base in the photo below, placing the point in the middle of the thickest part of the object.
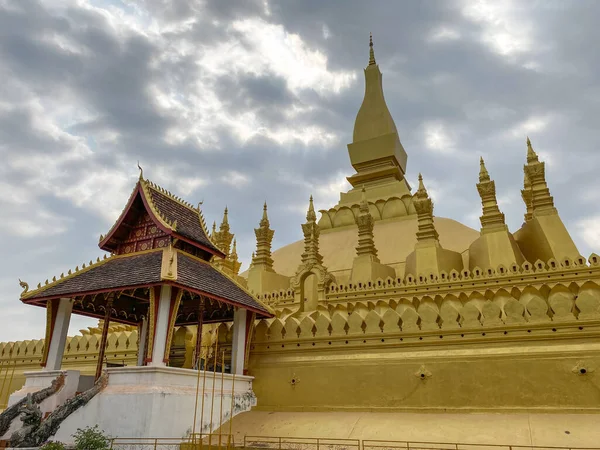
(144, 402)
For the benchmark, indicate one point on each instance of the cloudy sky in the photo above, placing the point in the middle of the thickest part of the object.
(237, 101)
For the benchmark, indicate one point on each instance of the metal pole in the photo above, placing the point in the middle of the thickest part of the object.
(231, 408)
(221, 407)
(196, 404)
(212, 404)
(203, 392)
(104, 338)
(199, 332)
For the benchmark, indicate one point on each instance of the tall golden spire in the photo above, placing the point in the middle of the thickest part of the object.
(364, 220)
(535, 170)
(376, 152)
(264, 238)
(371, 51)
(424, 208)
(311, 232)
(492, 217)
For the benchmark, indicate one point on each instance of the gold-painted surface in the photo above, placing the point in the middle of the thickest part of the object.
(168, 268)
(151, 322)
(51, 307)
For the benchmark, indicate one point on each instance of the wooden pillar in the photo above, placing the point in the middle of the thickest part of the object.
(198, 354)
(109, 303)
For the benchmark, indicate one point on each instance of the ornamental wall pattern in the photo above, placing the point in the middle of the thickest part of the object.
(555, 293)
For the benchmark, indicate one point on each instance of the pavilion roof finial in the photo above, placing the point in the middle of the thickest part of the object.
(371, 51)
(141, 171)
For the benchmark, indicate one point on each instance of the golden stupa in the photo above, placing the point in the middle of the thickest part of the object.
(385, 307)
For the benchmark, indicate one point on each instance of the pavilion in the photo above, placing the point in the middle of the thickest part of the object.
(159, 276)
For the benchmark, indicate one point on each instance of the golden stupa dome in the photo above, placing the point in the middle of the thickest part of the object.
(394, 239)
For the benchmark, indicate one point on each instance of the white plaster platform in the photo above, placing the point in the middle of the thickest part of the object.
(142, 402)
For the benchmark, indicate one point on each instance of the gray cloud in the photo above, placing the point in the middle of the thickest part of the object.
(237, 102)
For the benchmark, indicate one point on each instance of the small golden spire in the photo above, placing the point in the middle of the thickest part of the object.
(483, 173)
(311, 232)
(371, 51)
(492, 218)
(531, 155)
(225, 218)
(421, 191)
(264, 238)
(535, 172)
(424, 207)
(141, 171)
(310, 214)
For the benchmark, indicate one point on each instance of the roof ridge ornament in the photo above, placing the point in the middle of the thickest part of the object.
(141, 171)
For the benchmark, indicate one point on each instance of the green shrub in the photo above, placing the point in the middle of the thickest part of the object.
(53, 446)
(91, 438)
